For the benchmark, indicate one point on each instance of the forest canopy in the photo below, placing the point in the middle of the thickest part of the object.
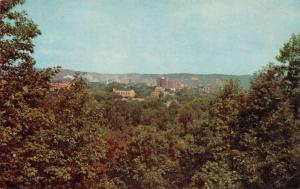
(88, 138)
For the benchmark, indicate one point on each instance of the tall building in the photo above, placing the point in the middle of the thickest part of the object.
(161, 82)
(165, 82)
(170, 83)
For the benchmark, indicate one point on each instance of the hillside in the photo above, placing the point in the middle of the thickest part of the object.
(151, 78)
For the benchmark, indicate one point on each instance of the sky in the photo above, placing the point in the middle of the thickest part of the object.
(162, 36)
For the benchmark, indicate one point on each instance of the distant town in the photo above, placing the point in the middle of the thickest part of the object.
(161, 87)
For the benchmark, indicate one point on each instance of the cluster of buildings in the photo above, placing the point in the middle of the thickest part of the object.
(165, 86)
(167, 83)
(209, 88)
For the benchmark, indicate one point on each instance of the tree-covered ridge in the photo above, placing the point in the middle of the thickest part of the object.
(87, 137)
(184, 78)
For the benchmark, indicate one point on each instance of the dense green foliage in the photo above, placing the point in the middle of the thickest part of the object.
(87, 137)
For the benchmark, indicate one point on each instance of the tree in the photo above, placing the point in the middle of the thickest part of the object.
(23, 91)
(269, 124)
(220, 133)
(290, 57)
(77, 139)
(44, 141)
(149, 160)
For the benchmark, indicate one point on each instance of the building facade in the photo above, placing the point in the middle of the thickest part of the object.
(125, 93)
(165, 82)
(158, 92)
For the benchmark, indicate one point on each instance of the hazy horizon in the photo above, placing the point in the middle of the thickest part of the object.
(149, 73)
(197, 37)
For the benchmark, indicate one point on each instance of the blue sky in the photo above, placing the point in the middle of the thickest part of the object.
(162, 36)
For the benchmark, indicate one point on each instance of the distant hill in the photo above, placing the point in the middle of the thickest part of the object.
(151, 78)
